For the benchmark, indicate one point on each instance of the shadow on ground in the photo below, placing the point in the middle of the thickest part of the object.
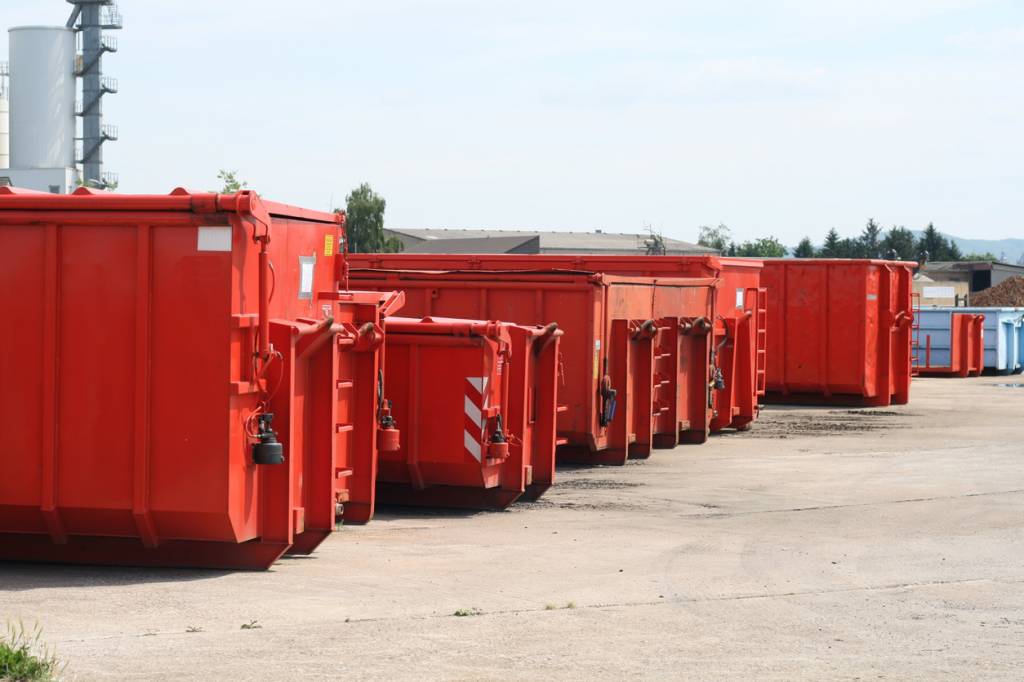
(18, 577)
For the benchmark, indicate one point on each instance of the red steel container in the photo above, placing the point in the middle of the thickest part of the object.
(840, 330)
(739, 347)
(476, 402)
(960, 349)
(146, 340)
(635, 354)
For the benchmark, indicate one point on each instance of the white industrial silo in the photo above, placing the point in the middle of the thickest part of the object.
(42, 97)
(4, 135)
(5, 138)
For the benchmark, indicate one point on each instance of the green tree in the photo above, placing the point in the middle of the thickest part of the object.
(831, 248)
(899, 244)
(364, 225)
(932, 246)
(766, 247)
(871, 240)
(231, 183)
(715, 237)
(851, 248)
(805, 249)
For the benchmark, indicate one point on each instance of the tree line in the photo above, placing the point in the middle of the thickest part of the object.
(365, 232)
(897, 243)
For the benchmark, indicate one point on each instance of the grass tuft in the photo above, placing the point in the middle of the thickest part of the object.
(462, 613)
(252, 625)
(23, 658)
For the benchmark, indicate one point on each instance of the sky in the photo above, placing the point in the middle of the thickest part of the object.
(778, 118)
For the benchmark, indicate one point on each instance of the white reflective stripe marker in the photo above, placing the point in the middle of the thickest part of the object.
(472, 411)
(475, 415)
(472, 446)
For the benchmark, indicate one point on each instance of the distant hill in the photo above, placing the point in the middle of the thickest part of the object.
(1007, 250)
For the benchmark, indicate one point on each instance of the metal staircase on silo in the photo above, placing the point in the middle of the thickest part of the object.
(90, 18)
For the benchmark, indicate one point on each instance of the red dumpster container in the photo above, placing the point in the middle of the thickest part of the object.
(147, 341)
(840, 330)
(476, 402)
(962, 352)
(739, 347)
(635, 352)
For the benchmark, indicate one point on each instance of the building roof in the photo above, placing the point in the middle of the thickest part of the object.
(550, 241)
(970, 266)
(471, 244)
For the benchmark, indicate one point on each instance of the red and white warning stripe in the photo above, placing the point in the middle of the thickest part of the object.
(476, 400)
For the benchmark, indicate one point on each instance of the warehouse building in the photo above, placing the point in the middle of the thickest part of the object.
(976, 275)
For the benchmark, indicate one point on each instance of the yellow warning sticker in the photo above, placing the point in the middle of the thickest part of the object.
(328, 244)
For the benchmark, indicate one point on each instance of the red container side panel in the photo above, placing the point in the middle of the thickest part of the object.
(476, 402)
(740, 344)
(974, 346)
(129, 375)
(617, 334)
(840, 330)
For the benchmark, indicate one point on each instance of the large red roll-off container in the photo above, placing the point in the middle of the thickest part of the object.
(476, 403)
(635, 354)
(739, 345)
(841, 330)
(148, 341)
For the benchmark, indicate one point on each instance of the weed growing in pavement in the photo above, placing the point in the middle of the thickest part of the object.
(23, 658)
(252, 625)
(461, 613)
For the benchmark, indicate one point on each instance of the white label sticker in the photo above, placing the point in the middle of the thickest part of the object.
(217, 238)
(939, 292)
(739, 298)
(872, 297)
(306, 266)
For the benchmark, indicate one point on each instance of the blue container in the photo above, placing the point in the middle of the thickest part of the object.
(934, 337)
(1004, 340)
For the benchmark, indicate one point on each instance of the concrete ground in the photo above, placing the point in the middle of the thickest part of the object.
(826, 543)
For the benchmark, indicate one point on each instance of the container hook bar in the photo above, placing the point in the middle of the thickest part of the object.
(250, 209)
